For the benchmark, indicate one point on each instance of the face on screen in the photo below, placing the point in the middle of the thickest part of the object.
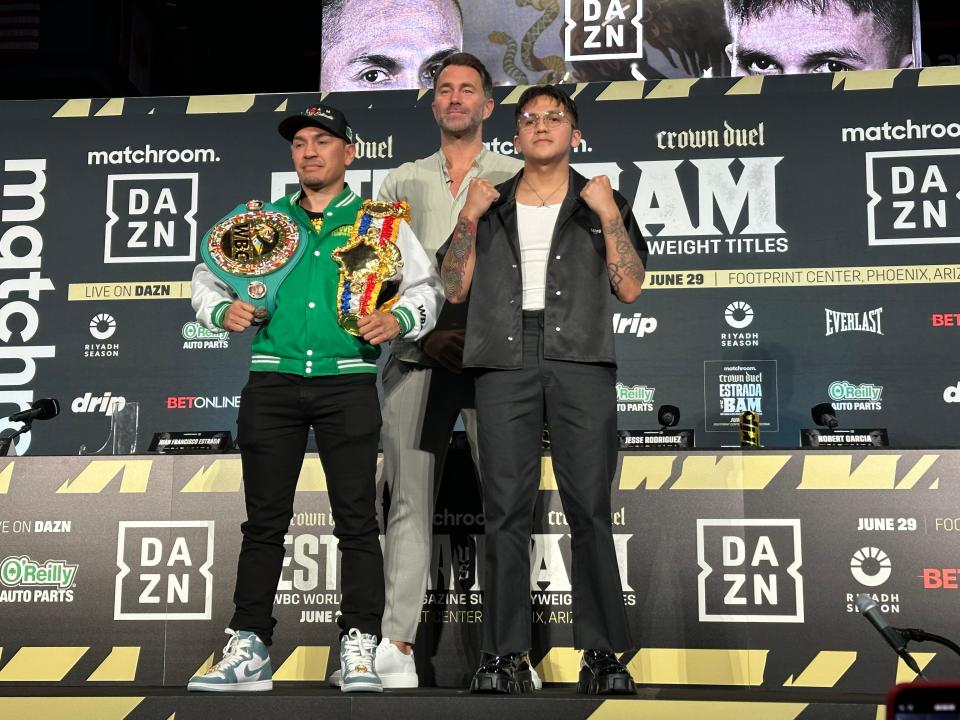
(389, 45)
(790, 38)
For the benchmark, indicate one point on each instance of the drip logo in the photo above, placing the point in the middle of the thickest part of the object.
(738, 315)
(870, 566)
(103, 326)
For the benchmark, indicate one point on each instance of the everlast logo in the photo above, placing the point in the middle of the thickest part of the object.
(374, 149)
(868, 321)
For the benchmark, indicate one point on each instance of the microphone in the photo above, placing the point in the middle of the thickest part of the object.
(868, 608)
(824, 415)
(42, 409)
(668, 416)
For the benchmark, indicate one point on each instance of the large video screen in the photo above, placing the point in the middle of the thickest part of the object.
(372, 45)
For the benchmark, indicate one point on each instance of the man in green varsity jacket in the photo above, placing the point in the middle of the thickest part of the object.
(313, 366)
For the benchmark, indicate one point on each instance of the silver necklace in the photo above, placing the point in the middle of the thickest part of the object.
(543, 200)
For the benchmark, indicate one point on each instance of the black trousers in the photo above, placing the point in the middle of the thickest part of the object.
(578, 401)
(277, 411)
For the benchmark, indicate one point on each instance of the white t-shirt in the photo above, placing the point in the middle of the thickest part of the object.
(535, 224)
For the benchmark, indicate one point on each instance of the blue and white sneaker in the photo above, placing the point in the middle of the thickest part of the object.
(357, 652)
(245, 667)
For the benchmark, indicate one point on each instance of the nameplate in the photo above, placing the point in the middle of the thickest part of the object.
(844, 438)
(189, 443)
(655, 439)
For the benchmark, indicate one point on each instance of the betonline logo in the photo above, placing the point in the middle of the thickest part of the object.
(199, 402)
(634, 325)
(867, 321)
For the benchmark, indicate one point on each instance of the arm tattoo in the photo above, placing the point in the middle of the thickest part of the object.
(454, 264)
(626, 264)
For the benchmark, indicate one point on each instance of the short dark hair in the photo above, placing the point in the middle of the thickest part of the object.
(550, 91)
(893, 17)
(465, 59)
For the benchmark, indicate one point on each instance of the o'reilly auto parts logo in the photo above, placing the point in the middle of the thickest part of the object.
(197, 337)
(634, 398)
(164, 570)
(151, 218)
(26, 580)
(847, 396)
(749, 570)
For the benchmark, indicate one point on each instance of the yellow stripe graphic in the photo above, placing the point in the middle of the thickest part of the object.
(68, 708)
(548, 481)
(41, 664)
(917, 472)
(653, 471)
(825, 670)
(77, 107)
(749, 85)
(111, 108)
(866, 79)
(99, 473)
(694, 710)
(222, 476)
(204, 104)
(682, 666)
(561, 664)
(864, 275)
(306, 663)
(676, 88)
(905, 674)
(5, 475)
(730, 472)
(119, 666)
(622, 90)
(939, 75)
(205, 665)
(834, 472)
(161, 290)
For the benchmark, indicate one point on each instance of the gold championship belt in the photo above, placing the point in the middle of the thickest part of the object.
(252, 251)
(369, 258)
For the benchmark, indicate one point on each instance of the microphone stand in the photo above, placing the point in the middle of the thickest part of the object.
(918, 635)
(7, 441)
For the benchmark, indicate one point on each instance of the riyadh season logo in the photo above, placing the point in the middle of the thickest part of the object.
(738, 315)
(103, 326)
(870, 566)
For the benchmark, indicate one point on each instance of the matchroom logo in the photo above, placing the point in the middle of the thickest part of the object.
(749, 570)
(164, 570)
(151, 218)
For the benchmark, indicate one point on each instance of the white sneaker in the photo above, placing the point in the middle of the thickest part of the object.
(396, 669)
(245, 667)
(537, 682)
(357, 652)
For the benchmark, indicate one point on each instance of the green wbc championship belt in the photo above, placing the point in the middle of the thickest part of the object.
(252, 251)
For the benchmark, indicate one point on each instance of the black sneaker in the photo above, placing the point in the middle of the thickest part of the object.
(504, 674)
(602, 674)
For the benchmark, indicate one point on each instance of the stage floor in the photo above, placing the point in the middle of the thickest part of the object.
(289, 701)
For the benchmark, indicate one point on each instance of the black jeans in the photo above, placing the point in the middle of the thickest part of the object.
(578, 402)
(277, 410)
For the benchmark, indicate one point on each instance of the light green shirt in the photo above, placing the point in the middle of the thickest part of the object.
(425, 185)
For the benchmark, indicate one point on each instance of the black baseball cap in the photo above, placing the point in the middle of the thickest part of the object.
(321, 116)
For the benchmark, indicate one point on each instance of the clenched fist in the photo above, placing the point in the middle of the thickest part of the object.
(598, 195)
(378, 327)
(239, 316)
(480, 196)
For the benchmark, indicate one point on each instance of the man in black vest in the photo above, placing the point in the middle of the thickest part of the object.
(539, 256)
